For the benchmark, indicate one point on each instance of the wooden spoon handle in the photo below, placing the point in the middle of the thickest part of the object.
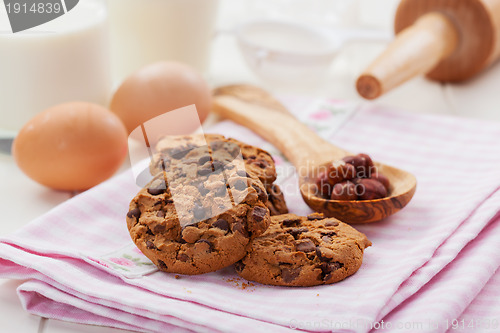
(416, 50)
(254, 108)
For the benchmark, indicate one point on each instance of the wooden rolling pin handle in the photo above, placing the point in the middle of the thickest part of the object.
(416, 50)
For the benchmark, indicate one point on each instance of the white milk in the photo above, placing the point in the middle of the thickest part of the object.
(62, 60)
(147, 31)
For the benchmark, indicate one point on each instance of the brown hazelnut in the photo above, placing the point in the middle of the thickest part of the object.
(363, 164)
(370, 189)
(369, 166)
(345, 190)
(357, 161)
(348, 171)
(335, 172)
(340, 171)
(323, 183)
(382, 179)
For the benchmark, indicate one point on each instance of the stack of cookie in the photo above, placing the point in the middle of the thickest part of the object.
(213, 203)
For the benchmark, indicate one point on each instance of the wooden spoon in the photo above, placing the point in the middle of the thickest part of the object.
(254, 108)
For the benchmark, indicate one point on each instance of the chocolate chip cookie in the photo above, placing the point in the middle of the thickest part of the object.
(199, 214)
(257, 161)
(303, 251)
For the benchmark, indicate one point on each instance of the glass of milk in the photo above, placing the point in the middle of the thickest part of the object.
(62, 60)
(147, 31)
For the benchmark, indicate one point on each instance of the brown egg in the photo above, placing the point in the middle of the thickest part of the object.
(159, 88)
(71, 146)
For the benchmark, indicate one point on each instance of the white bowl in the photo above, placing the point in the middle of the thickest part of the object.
(284, 51)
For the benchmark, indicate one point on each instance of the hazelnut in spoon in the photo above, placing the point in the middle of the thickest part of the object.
(312, 157)
(352, 178)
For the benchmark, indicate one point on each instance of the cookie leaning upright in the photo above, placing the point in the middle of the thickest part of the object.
(257, 161)
(199, 214)
(303, 251)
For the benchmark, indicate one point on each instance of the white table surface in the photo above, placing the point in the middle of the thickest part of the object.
(21, 199)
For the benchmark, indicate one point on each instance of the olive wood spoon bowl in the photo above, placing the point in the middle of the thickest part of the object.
(256, 109)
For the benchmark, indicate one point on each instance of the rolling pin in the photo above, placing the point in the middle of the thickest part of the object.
(448, 40)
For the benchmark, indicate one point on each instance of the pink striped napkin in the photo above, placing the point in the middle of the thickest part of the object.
(450, 300)
(81, 267)
(483, 311)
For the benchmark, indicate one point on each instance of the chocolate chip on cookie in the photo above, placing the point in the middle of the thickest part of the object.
(221, 224)
(305, 246)
(157, 187)
(299, 251)
(134, 213)
(315, 216)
